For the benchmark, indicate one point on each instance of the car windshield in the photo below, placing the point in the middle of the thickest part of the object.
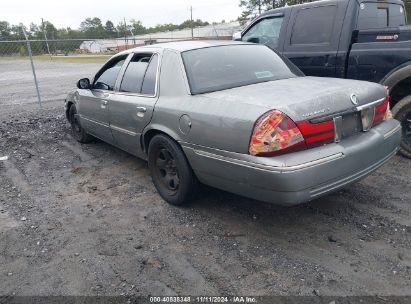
(229, 66)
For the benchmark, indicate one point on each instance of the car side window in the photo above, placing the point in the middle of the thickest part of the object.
(266, 31)
(149, 83)
(314, 25)
(133, 76)
(106, 78)
(380, 15)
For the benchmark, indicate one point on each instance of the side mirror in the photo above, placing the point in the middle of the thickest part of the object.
(254, 40)
(237, 36)
(84, 84)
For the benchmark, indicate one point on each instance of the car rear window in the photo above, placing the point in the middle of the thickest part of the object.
(374, 15)
(224, 67)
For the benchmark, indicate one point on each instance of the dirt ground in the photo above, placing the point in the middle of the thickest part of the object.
(86, 220)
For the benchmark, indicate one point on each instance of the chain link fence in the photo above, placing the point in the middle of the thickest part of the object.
(45, 70)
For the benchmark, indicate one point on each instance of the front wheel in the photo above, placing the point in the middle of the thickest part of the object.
(170, 171)
(78, 132)
(402, 113)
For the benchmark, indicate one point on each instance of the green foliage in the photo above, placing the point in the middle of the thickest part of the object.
(23, 51)
(5, 30)
(110, 29)
(93, 27)
(90, 28)
(408, 8)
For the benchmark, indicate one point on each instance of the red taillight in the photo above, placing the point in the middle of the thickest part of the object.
(382, 112)
(317, 134)
(275, 134)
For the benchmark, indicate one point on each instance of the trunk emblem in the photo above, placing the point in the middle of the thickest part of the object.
(354, 99)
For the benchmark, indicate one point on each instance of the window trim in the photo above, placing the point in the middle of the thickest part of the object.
(156, 89)
(329, 43)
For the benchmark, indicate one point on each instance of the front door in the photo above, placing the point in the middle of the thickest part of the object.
(132, 105)
(94, 104)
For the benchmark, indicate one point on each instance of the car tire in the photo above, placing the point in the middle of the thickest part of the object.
(78, 132)
(170, 171)
(402, 113)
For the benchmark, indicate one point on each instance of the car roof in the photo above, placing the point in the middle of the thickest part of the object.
(182, 46)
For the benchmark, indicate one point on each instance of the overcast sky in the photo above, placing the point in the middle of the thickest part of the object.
(69, 13)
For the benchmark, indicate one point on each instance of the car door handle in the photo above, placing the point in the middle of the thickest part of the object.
(141, 111)
(104, 104)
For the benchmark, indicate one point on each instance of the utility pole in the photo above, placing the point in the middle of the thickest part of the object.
(125, 33)
(259, 7)
(134, 38)
(192, 25)
(45, 37)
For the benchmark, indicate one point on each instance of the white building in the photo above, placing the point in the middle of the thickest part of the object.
(99, 46)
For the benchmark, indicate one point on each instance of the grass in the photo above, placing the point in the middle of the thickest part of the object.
(70, 59)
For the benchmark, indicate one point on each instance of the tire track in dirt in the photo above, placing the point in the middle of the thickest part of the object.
(18, 178)
(77, 150)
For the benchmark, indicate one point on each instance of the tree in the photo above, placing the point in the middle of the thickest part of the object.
(5, 30)
(35, 31)
(93, 28)
(137, 27)
(122, 29)
(408, 8)
(110, 29)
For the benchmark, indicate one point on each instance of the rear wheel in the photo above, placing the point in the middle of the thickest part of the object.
(170, 171)
(78, 132)
(402, 113)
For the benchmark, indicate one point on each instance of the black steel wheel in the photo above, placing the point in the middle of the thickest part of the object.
(170, 171)
(78, 132)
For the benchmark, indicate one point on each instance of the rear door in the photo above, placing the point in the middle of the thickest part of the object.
(94, 103)
(132, 105)
(313, 36)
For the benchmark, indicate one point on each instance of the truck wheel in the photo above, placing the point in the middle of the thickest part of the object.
(78, 132)
(402, 113)
(170, 171)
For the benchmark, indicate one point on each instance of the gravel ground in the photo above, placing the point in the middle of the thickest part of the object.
(86, 220)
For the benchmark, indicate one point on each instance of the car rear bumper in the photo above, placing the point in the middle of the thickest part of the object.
(297, 177)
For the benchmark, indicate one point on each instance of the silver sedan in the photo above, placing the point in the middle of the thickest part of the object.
(235, 116)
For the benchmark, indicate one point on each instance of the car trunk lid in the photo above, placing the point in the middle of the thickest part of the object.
(311, 99)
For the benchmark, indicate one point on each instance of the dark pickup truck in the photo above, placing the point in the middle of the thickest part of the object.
(355, 39)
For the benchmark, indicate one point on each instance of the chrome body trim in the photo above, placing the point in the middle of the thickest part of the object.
(392, 132)
(269, 168)
(374, 103)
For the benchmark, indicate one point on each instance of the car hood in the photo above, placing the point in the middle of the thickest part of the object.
(303, 97)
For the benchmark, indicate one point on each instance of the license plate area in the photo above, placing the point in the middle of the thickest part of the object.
(351, 124)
